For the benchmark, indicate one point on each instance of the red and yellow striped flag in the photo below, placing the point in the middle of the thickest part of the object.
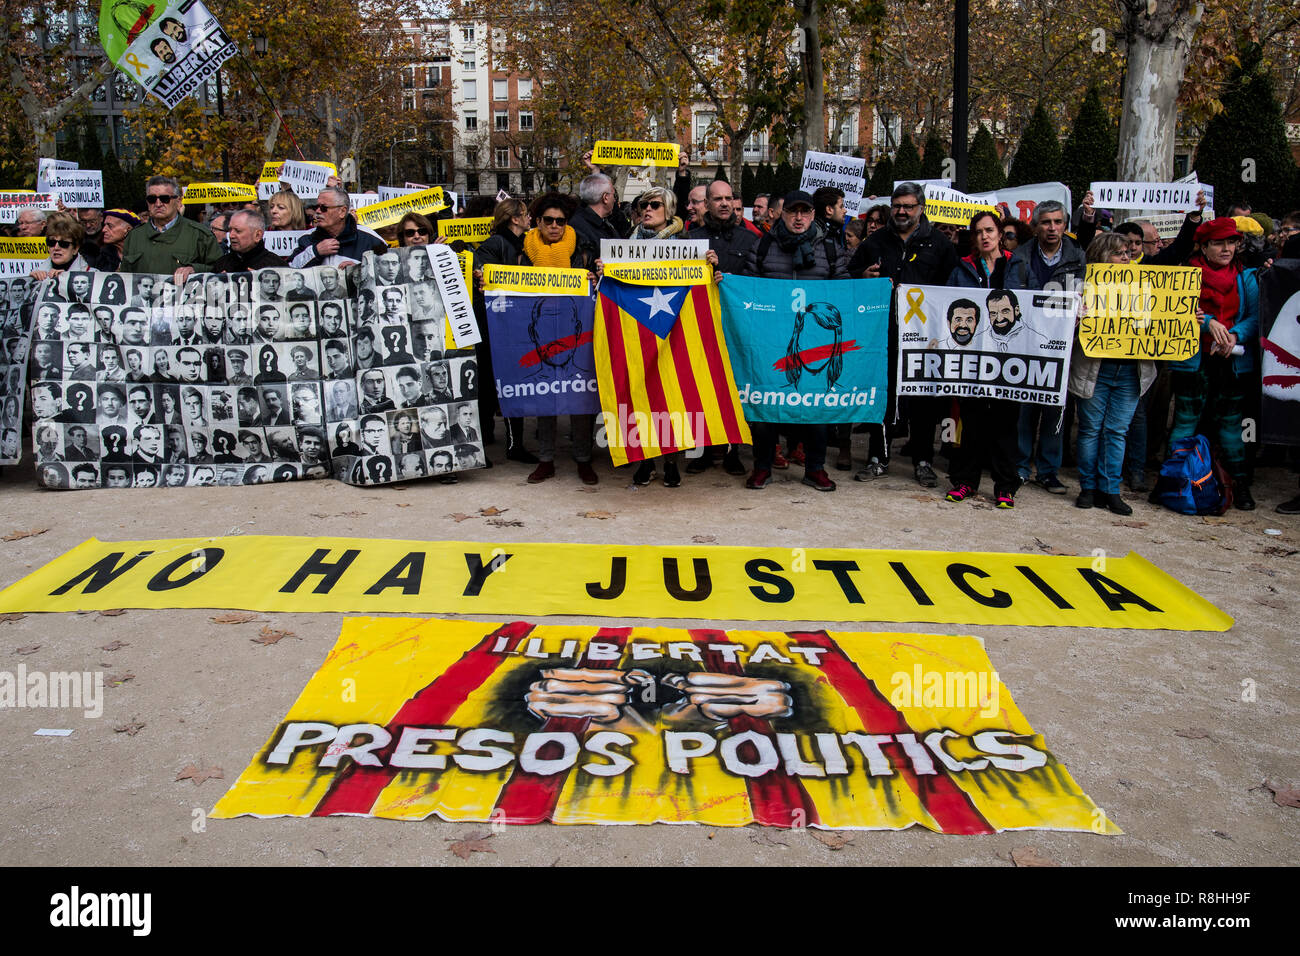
(661, 362)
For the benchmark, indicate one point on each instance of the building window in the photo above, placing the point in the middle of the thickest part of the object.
(432, 77)
(525, 121)
(471, 182)
(503, 158)
(470, 90)
(471, 158)
(468, 66)
(471, 121)
(525, 156)
(408, 78)
(500, 89)
(702, 123)
(525, 88)
(408, 101)
(467, 34)
(503, 182)
(501, 121)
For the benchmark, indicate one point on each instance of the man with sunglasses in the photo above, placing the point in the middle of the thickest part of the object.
(168, 243)
(247, 250)
(337, 239)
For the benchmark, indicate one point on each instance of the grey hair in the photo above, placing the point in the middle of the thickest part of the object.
(762, 196)
(910, 189)
(1046, 206)
(666, 195)
(591, 189)
(35, 211)
(254, 219)
(163, 181)
(341, 195)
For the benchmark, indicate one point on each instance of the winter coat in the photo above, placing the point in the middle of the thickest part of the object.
(186, 243)
(353, 244)
(927, 258)
(969, 273)
(1020, 274)
(730, 240)
(766, 259)
(259, 257)
(1246, 327)
(591, 229)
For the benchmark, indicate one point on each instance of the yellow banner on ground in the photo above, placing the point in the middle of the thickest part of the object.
(390, 211)
(954, 213)
(672, 272)
(196, 193)
(520, 724)
(1140, 312)
(535, 281)
(609, 152)
(623, 581)
(472, 231)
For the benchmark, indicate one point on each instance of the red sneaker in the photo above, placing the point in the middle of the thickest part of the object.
(796, 455)
(779, 460)
(819, 480)
(758, 479)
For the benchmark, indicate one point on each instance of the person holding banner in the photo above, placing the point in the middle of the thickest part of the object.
(337, 239)
(1211, 386)
(63, 235)
(1108, 391)
(168, 243)
(247, 249)
(553, 244)
(112, 238)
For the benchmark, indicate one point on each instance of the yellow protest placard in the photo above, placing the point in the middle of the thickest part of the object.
(1140, 312)
(627, 581)
(196, 193)
(472, 231)
(609, 152)
(671, 272)
(954, 213)
(390, 211)
(521, 724)
(535, 281)
(18, 257)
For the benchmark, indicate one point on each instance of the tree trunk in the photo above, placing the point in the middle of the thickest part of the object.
(1159, 37)
(814, 86)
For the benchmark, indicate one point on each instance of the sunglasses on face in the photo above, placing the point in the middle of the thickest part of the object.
(414, 231)
(320, 209)
(554, 220)
(651, 204)
(164, 198)
(51, 242)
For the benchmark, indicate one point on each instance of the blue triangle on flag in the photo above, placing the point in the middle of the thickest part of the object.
(655, 307)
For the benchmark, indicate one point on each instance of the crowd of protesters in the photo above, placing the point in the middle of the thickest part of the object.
(1127, 412)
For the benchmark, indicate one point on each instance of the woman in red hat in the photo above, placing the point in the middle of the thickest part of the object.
(1210, 387)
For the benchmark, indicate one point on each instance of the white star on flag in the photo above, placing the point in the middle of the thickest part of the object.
(658, 302)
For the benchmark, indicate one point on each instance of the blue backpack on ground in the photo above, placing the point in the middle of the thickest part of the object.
(1191, 482)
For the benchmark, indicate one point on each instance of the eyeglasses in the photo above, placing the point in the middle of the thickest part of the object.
(51, 242)
(320, 208)
(905, 207)
(554, 220)
(164, 198)
(650, 204)
(416, 231)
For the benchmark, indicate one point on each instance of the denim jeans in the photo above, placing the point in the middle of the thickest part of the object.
(1043, 423)
(1103, 422)
(1135, 442)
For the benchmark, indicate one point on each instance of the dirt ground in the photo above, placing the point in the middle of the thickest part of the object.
(1151, 724)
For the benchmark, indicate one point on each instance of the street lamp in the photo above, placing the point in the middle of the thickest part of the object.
(565, 113)
(259, 44)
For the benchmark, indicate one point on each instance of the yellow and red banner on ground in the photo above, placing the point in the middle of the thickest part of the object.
(523, 724)
(364, 575)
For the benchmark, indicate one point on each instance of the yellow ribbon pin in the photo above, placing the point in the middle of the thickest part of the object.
(915, 298)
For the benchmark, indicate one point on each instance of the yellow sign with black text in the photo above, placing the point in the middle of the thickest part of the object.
(625, 581)
(390, 211)
(472, 231)
(534, 281)
(671, 272)
(1140, 312)
(608, 152)
(198, 193)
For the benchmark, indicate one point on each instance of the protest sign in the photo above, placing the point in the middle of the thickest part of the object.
(18, 257)
(12, 201)
(808, 352)
(361, 200)
(1162, 196)
(471, 231)
(670, 272)
(1140, 312)
(450, 273)
(200, 193)
(628, 153)
(15, 341)
(169, 49)
(583, 725)
(534, 579)
(1279, 326)
(1167, 224)
(985, 344)
(305, 179)
(652, 250)
(390, 211)
(78, 188)
(46, 166)
(842, 172)
(392, 192)
(283, 242)
(1022, 200)
(541, 328)
(955, 213)
(928, 184)
(268, 183)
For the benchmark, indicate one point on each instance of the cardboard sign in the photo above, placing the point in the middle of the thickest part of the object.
(392, 192)
(13, 201)
(305, 179)
(390, 211)
(472, 231)
(842, 172)
(1140, 312)
(46, 166)
(18, 257)
(283, 242)
(631, 153)
(78, 188)
(197, 194)
(676, 272)
(1162, 196)
(652, 250)
(955, 213)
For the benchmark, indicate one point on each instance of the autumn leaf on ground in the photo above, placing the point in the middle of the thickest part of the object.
(14, 616)
(1029, 856)
(704, 538)
(458, 517)
(1274, 603)
(19, 535)
(602, 515)
(112, 612)
(235, 617)
(317, 514)
(1193, 733)
(115, 646)
(198, 775)
(1129, 524)
(29, 649)
(117, 680)
(131, 729)
(474, 843)
(1280, 552)
(505, 523)
(403, 504)
(1284, 798)
(492, 512)
(1049, 549)
(833, 841)
(269, 635)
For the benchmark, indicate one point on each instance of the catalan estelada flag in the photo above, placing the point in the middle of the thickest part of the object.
(523, 724)
(661, 362)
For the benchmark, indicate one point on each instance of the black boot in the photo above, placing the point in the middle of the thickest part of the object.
(1242, 499)
(1117, 505)
(515, 450)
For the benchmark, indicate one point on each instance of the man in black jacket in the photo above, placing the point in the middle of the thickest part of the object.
(337, 239)
(592, 221)
(247, 251)
(909, 251)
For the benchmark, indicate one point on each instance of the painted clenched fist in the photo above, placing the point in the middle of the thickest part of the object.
(723, 696)
(600, 694)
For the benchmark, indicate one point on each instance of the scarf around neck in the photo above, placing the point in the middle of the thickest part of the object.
(557, 255)
(800, 247)
(1219, 298)
(673, 227)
